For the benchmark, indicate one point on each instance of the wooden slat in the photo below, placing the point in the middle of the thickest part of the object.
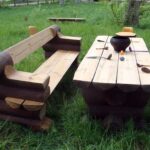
(22, 49)
(143, 58)
(86, 70)
(106, 73)
(128, 78)
(57, 65)
(138, 44)
(39, 80)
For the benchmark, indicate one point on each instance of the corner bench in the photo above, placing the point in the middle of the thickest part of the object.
(23, 95)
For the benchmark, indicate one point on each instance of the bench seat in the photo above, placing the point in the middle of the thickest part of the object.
(57, 65)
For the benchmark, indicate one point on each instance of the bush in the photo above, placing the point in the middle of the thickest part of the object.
(118, 10)
(145, 16)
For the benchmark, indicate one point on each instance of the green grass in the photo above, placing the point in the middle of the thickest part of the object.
(73, 129)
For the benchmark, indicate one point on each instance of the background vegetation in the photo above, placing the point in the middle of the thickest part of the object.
(73, 129)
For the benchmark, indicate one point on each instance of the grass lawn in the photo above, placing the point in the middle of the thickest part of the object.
(73, 129)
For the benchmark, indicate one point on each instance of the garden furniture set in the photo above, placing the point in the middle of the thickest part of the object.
(113, 88)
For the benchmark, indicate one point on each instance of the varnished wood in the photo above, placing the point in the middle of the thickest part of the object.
(36, 125)
(57, 65)
(144, 59)
(20, 112)
(87, 68)
(118, 86)
(32, 79)
(106, 73)
(22, 49)
(24, 93)
(139, 45)
(32, 105)
(127, 77)
(103, 73)
(14, 102)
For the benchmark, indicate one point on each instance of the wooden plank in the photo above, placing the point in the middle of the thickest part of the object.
(57, 65)
(138, 44)
(35, 124)
(30, 79)
(106, 73)
(127, 77)
(14, 103)
(32, 105)
(87, 68)
(22, 49)
(143, 58)
(24, 93)
(5, 109)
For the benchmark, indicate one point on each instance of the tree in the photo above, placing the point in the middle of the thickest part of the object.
(77, 1)
(132, 13)
(61, 2)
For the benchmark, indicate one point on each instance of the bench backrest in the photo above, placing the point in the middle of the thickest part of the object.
(22, 49)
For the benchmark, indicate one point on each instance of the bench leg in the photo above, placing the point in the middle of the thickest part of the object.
(48, 54)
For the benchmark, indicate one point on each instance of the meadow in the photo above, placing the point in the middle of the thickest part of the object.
(73, 128)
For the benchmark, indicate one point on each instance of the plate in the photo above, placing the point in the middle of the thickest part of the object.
(126, 34)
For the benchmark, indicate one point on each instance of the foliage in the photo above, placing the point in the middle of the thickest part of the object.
(73, 128)
(118, 10)
(4, 3)
(144, 16)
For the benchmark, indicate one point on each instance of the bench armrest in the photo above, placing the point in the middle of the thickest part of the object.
(62, 42)
(26, 79)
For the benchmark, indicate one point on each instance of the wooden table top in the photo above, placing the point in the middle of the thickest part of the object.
(106, 74)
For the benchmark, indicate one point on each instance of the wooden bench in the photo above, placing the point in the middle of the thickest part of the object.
(67, 19)
(23, 95)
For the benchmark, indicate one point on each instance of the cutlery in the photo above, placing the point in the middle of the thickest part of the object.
(146, 70)
(94, 57)
(105, 48)
(140, 65)
(100, 41)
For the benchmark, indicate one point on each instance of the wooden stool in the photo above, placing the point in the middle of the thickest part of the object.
(32, 30)
(127, 29)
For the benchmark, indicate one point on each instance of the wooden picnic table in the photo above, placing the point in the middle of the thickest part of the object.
(111, 86)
